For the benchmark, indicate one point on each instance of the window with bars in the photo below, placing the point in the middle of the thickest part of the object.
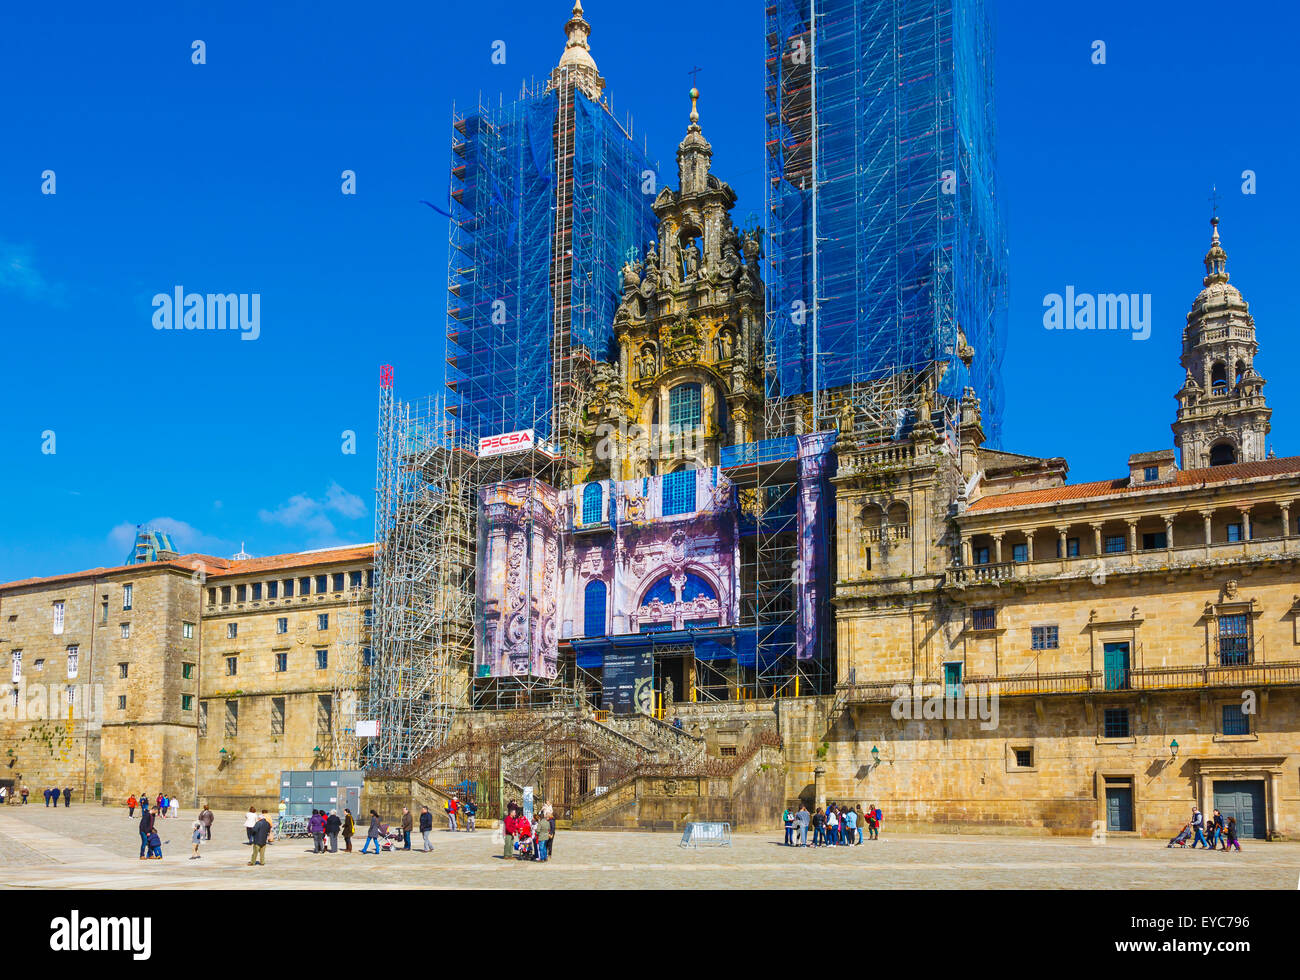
(304, 585)
(1115, 544)
(273, 589)
(288, 588)
(277, 716)
(281, 662)
(58, 618)
(18, 665)
(338, 581)
(322, 659)
(592, 498)
(232, 631)
(241, 593)
(121, 702)
(187, 631)
(282, 624)
(322, 584)
(122, 669)
(1235, 720)
(322, 621)
(232, 666)
(593, 609)
(1024, 758)
(257, 591)
(187, 702)
(126, 631)
(684, 406)
(232, 719)
(1045, 637)
(74, 659)
(128, 596)
(1115, 723)
(354, 580)
(679, 493)
(1234, 639)
(984, 618)
(1020, 553)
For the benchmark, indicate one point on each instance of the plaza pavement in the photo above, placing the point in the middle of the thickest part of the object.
(93, 847)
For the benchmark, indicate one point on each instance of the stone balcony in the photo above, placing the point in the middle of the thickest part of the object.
(1115, 681)
(1126, 562)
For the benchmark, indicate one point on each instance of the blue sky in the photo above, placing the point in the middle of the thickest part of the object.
(225, 177)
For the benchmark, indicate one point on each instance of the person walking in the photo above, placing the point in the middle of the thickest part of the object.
(46, 794)
(1216, 830)
(332, 827)
(550, 836)
(372, 834)
(426, 827)
(176, 805)
(1230, 835)
(67, 797)
(349, 828)
(406, 829)
(206, 817)
(470, 811)
(196, 836)
(451, 809)
(250, 821)
(880, 822)
(1198, 826)
(316, 827)
(261, 834)
(130, 806)
(787, 819)
(146, 828)
(279, 820)
(23, 793)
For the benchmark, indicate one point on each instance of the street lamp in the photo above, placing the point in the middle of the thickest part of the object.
(1173, 750)
(875, 755)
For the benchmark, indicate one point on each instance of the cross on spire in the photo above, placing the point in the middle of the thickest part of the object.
(1214, 199)
(693, 72)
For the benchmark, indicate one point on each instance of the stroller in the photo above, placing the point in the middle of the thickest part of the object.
(525, 849)
(390, 837)
(1181, 838)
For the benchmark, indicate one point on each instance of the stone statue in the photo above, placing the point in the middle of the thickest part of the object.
(651, 262)
(691, 260)
(647, 363)
(668, 692)
(730, 265)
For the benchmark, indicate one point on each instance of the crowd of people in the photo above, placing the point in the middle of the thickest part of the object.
(167, 806)
(52, 796)
(530, 839)
(1211, 834)
(838, 824)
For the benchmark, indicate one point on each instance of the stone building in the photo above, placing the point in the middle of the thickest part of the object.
(115, 672)
(1142, 634)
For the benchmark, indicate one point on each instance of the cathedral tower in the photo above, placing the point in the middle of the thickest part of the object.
(1222, 417)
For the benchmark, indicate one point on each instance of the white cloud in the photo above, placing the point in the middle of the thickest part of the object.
(315, 516)
(185, 536)
(19, 275)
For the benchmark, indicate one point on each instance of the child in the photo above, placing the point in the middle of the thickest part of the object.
(196, 837)
(1230, 835)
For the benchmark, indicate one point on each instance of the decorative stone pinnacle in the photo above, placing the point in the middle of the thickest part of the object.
(695, 109)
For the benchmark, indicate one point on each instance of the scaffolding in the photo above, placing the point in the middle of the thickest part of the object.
(887, 264)
(549, 197)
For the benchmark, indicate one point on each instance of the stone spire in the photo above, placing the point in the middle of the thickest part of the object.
(577, 64)
(694, 154)
(1222, 416)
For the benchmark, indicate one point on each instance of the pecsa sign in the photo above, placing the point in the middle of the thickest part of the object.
(509, 442)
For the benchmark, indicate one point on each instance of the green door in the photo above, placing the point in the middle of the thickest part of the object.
(952, 680)
(1116, 666)
(1119, 808)
(1243, 799)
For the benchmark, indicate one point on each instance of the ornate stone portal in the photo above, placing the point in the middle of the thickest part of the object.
(689, 332)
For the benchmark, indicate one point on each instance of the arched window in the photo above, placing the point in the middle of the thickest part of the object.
(1218, 378)
(592, 497)
(1240, 372)
(593, 609)
(684, 403)
(1222, 454)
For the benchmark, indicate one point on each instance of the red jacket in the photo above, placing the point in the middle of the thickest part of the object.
(524, 828)
(511, 823)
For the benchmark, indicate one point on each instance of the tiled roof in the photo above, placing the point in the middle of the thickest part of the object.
(297, 559)
(184, 563)
(1185, 479)
(212, 566)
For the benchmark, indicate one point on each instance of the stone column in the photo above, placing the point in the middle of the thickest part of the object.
(997, 548)
(1209, 516)
(1245, 523)
(1096, 538)
(1132, 535)
(1169, 532)
(964, 543)
(1061, 534)
(1285, 507)
(1029, 544)
(819, 786)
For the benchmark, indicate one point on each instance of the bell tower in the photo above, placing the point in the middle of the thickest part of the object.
(1222, 417)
